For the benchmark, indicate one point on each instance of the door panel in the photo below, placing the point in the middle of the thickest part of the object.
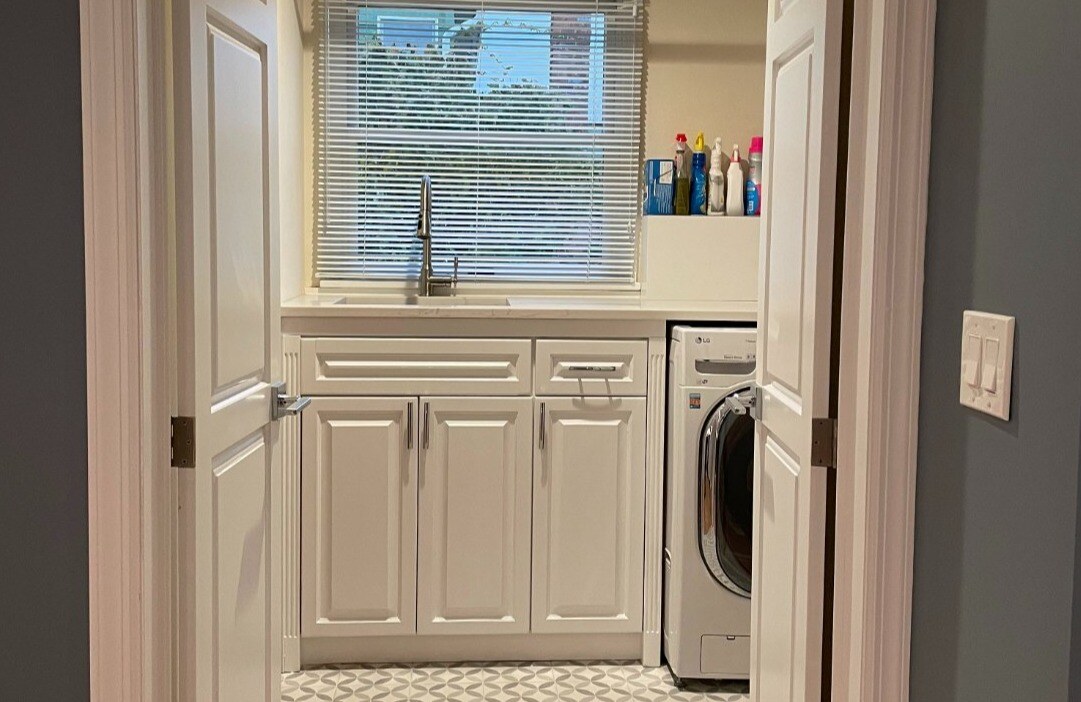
(476, 485)
(779, 483)
(359, 494)
(789, 230)
(242, 561)
(795, 315)
(236, 96)
(228, 355)
(588, 515)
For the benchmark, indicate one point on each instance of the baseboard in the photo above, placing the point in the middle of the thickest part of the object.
(651, 649)
(290, 654)
(417, 649)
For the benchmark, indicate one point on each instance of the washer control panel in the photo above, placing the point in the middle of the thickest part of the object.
(712, 355)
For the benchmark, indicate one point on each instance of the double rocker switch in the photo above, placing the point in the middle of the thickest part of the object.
(981, 362)
(986, 362)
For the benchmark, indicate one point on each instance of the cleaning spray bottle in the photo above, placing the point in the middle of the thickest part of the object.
(682, 200)
(753, 198)
(699, 177)
(716, 179)
(734, 202)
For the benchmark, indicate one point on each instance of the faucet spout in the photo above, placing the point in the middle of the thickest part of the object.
(427, 280)
(424, 215)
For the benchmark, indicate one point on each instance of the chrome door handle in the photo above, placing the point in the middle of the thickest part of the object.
(282, 405)
(593, 369)
(541, 438)
(740, 403)
(409, 426)
(425, 426)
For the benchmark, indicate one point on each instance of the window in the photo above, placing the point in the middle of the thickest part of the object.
(525, 114)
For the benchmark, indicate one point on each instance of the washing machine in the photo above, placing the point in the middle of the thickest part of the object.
(710, 479)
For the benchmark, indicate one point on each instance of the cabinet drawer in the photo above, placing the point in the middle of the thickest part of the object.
(566, 367)
(331, 366)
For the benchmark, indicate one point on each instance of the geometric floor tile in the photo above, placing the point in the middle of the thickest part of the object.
(603, 681)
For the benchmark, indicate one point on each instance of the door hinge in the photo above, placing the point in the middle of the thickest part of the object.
(756, 406)
(182, 442)
(824, 442)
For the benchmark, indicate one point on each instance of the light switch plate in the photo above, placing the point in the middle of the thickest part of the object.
(987, 362)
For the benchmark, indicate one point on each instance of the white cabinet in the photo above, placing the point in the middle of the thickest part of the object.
(588, 515)
(415, 366)
(476, 467)
(576, 367)
(359, 540)
(431, 514)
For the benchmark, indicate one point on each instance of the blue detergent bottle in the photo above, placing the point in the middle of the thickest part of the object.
(699, 177)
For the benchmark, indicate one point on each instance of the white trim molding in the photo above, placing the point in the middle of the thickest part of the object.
(881, 317)
(656, 425)
(111, 212)
(130, 491)
(290, 441)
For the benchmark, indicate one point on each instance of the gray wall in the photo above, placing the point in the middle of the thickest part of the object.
(998, 504)
(43, 533)
(998, 543)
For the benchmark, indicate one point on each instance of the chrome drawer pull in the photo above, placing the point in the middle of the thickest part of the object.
(593, 369)
(425, 426)
(542, 427)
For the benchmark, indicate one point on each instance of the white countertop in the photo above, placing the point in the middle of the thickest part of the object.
(333, 305)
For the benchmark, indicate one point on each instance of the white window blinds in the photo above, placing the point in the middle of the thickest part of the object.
(526, 114)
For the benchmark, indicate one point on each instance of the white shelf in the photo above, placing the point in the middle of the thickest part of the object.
(697, 258)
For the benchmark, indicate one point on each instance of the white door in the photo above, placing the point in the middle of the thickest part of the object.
(359, 517)
(588, 514)
(476, 468)
(229, 339)
(803, 52)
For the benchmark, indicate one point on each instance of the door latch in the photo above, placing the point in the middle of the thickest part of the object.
(282, 405)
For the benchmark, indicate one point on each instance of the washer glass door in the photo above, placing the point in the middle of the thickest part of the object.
(725, 485)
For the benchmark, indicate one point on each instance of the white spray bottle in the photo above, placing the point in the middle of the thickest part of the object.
(734, 203)
(716, 180)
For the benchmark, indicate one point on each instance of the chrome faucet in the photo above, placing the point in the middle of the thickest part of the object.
(428, 281)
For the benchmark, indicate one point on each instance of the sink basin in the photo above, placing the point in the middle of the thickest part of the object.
(419, 301)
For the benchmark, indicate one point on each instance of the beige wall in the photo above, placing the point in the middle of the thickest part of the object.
(705, 71)
(291, 162)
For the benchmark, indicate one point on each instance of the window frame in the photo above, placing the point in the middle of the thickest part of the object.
(526, 287)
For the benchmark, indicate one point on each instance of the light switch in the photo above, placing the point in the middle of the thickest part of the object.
(990, 364)
(987, 362)
(970, 360)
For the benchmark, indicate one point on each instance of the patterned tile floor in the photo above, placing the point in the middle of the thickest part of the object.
(605, 681)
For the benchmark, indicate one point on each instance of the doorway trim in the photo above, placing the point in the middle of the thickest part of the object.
(129, 338)
(881, 321)
(130, 496)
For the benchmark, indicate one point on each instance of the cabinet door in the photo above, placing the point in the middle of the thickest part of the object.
(475, 484)
(359, 522)
(588, 515)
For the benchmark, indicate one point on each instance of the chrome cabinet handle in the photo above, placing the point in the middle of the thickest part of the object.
(542, 437)
(593, 369)
(409, 426)
(425, 427)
